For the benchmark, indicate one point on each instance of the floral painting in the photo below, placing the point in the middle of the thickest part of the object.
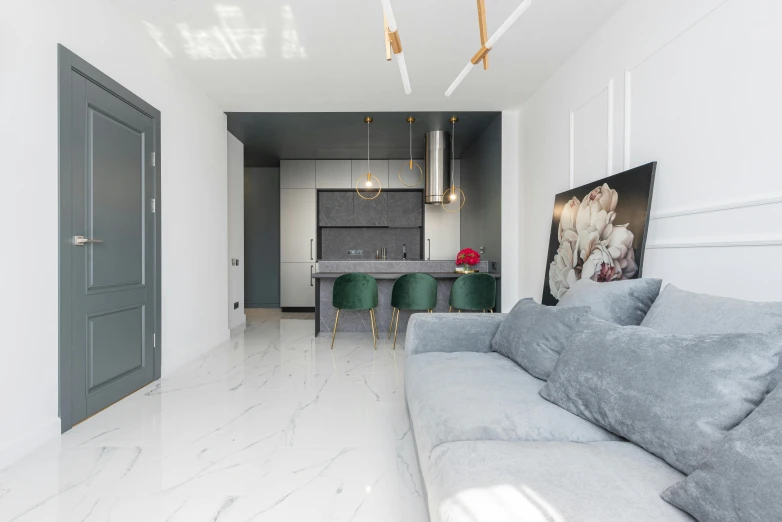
(599, 231)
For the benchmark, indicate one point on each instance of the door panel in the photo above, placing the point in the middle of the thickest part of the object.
(112, 284)
(297, 288)
(298, 222)
(115, 205)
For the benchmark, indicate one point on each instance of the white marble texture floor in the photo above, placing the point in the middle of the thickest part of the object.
(271, 426)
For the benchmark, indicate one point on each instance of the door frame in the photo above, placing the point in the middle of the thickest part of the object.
(68, 62)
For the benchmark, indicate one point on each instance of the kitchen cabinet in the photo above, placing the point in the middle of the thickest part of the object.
(298, 225)
(297, 174)
(370, 212)
(411, 177)
(333, 174)
(379, 170)
(335, 209)
(297, 288)
(405, 209)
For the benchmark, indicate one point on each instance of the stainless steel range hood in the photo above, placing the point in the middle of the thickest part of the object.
(438, 166)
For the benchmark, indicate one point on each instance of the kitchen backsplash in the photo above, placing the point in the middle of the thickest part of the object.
(337, 243)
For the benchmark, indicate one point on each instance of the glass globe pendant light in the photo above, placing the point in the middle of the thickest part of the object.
(454, 193)
(367, 183)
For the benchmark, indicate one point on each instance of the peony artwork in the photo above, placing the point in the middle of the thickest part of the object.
(599, 231)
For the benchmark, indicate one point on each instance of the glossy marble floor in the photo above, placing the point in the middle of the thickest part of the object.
(271, 426)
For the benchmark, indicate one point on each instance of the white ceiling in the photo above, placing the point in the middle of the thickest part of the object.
(329, 55)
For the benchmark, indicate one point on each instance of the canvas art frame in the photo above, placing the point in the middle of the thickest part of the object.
(599, 229)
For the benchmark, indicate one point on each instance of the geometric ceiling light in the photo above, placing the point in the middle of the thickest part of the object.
(410, 165)
(394, 43)
(370, 183)
(451, 195)
(486, 45)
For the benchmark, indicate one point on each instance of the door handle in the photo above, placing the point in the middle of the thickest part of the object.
(81, 240)
(312, 282)
(429, 257)
(311, 256)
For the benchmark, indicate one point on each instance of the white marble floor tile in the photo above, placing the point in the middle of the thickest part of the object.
(271, 426)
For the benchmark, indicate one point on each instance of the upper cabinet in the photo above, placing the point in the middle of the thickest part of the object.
(370, 212)
(333, 174)
(297, 174)
(379, 170)
(405, 209)
(401, 167)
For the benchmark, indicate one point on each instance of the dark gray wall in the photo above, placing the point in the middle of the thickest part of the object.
(261, 238)
(481, 179)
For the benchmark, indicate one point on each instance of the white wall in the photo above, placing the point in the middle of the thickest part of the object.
(697, 86)
(193, 205)
(236, 317)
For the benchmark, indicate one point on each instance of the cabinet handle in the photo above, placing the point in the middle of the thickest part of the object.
(429, 257)
(312, 282)
(311, 258)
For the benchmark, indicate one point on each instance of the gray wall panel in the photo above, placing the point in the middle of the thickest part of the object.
(262, 237)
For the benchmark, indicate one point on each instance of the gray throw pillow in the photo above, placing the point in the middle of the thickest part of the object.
(677, 311)
(742, 478)
(534, 335)
(621, 302)
(673, 395)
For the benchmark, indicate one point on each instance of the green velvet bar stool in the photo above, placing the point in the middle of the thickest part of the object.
(355, 292)
(474, 292)
(412, 292)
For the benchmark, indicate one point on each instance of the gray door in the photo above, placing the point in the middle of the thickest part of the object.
(112, 305)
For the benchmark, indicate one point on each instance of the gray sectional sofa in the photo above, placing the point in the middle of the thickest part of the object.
(492, 449)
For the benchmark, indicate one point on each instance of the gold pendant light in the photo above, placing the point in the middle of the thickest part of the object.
(366, 183)
(451, 195)
(410, 164)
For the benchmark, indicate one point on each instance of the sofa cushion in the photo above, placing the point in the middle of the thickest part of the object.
(473, 396)
(677, 311)
(742, 478)
(494, 481)
(534, 335)
(674, 395)
(621, 302)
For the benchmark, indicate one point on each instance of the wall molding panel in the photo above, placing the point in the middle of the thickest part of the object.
(608, 90)
(718, 207)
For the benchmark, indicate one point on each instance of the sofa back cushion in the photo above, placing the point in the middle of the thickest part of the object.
(677, 311)
(621, 302)
(673, 395)
(742, 478)
(534, 335)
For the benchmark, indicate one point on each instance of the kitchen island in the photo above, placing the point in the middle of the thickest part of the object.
(385, 272)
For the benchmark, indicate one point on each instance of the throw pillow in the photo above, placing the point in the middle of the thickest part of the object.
(742, 478)
(534, 335)
(677, 311)
(673, 395)
(621, 302)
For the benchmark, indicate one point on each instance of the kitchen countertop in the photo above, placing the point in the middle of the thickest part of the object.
(395, 275)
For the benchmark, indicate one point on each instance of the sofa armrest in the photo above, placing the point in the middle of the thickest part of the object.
(451, 332)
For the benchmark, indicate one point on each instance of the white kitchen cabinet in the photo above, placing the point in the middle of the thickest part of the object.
(442, 230)
(411, 177)
(297, 174)
(379, 170)
(333, 174)
(298, 225)
(297, 288)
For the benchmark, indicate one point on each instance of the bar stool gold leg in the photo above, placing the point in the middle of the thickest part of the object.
(333, 335)
(396, 329)
(372, 322)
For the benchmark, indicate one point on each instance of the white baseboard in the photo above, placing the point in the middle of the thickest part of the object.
(238, 329)
(171, 364)
(11, 451)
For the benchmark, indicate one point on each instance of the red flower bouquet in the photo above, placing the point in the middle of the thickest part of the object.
(468, 256)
